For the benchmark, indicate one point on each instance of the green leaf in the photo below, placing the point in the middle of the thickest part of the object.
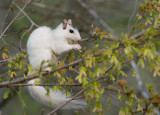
(114, 60)
(141, 62)
(153, 94)
(111, 77)
(82, 71)
(79, 78)
(57, 74)
(149, 86)
(123, 74)
(5, 96)
(70, 67)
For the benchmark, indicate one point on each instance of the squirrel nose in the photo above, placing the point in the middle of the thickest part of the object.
(79, 39)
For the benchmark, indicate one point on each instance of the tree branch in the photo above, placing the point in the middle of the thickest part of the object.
(29, 77)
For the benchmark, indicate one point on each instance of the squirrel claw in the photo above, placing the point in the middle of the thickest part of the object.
(77, 47)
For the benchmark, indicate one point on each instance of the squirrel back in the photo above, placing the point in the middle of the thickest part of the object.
(45, 44)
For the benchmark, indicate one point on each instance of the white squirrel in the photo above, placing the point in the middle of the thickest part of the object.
(45, 43)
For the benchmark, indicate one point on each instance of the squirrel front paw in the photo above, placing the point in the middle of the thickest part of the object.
(77, 46)
(47, 69)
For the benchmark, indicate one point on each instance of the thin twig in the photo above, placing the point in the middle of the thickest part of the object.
(26, 15)
(13, 20)
(122, 92)
(134, 27)
(31, 21)
(133, 13)
(6, 60)
(3, 23)
(50, 113)
(95, 16)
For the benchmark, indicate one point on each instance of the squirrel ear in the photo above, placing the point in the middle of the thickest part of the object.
(64, 24)
(70, 21)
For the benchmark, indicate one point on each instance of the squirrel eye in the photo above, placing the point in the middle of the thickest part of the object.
(71, 31)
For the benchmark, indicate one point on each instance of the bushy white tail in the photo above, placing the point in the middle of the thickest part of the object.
(54, 99)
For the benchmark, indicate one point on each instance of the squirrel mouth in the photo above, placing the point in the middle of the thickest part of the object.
(72, 41)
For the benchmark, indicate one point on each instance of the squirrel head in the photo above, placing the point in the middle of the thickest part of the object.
(70, 33)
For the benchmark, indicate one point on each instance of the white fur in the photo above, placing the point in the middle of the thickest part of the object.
(40, 46)
(44, 39)
(54, 99)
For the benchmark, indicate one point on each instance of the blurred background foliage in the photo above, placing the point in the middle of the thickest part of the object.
(120, 15)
